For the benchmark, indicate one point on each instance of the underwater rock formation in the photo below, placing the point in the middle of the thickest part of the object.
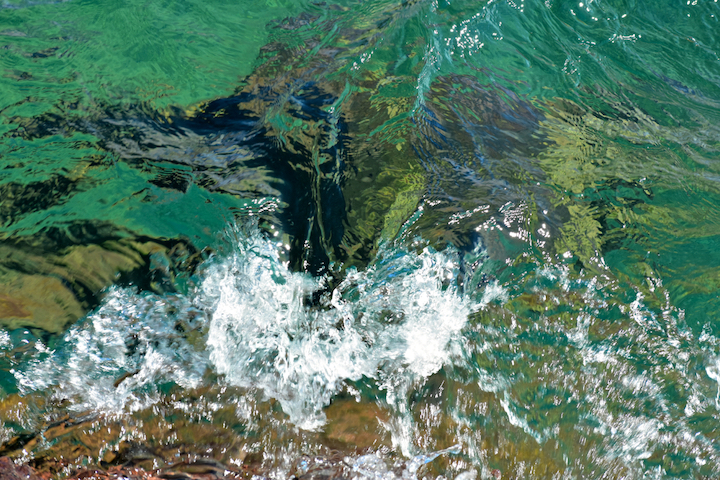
(53, 279)
(335, 166)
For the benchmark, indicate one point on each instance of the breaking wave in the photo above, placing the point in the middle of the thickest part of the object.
(250, 319)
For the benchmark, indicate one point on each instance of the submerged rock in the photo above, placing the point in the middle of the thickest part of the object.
(346, 154)
(356, 424)
(54, 279)
(10, 471)
(198, 470)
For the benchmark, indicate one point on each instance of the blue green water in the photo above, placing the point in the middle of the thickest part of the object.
(379, 239)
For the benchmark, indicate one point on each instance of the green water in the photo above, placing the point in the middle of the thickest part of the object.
(306, 237)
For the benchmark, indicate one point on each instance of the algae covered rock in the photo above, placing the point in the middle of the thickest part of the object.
(49, 283)
(333, 155)
(598, 181)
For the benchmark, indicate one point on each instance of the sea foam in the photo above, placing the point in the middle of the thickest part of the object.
(293, 336)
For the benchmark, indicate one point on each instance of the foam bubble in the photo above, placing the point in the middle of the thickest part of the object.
(260, 325)
(117, 356)
(402, 314)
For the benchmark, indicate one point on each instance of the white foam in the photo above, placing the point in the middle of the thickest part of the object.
(374, 467)
(398, 321)
(4, 340)
(131, 336)
(713, 371)
(399, 317)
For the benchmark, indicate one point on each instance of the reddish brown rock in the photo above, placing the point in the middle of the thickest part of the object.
(10, 471)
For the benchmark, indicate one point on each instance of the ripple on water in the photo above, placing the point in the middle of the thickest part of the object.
(503, 373)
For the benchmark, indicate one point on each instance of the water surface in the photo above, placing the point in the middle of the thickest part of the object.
(363, 239)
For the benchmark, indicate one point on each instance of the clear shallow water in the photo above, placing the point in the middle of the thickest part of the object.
(268, 233)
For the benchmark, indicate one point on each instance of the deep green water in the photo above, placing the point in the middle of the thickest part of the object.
(244, 231)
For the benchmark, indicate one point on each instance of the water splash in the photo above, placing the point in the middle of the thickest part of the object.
(401, 317)
(302, 340)
(374, 467)
(115, 360)
(260, 325)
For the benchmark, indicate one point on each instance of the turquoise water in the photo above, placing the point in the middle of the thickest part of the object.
(361, 239)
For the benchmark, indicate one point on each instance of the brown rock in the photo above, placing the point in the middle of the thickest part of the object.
(51, 290)
(10, 471)
(357, 424)
(36, 301)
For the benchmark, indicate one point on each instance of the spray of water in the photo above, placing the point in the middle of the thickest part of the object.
(261, 326)
(400, 317)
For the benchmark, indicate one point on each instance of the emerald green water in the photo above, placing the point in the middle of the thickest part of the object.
(361, 239)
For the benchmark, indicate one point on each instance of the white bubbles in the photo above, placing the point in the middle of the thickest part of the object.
(374, 467)
(713, 371)
(259, 325)
(116, 358)
(401, 316)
